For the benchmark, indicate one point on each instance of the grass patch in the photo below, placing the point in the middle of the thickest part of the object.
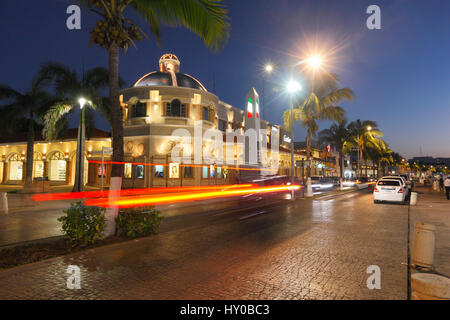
(29, 253)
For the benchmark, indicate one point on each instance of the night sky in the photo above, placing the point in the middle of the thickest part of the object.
(400, 74)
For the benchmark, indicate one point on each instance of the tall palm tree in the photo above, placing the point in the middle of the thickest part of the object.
(378, 151)
(69, 86)
(337, 135)
(363, 134)
(206, 18)
(20, 105)
(319, 105)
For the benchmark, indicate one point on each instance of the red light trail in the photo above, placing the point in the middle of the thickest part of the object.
(129, 192)
(148, 200)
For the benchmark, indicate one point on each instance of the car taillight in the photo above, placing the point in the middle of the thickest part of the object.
(400, 191)
(375, 189)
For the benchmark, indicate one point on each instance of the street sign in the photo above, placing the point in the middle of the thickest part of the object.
(104, 151)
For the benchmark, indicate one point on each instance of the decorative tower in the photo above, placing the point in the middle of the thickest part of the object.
(169, 63)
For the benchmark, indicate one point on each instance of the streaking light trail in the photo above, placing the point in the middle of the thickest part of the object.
(130, 192)
(148, 200)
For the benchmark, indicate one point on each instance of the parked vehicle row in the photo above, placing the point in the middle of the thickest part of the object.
(392, 189)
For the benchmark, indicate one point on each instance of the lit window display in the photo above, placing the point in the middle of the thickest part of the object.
(39, 169)
(219, 173)
(101, 171)
(174, 170)
(127, 171)
(15, 170)
(205, 172)
(159, 171)
(58, 170)
(139, 171)
(212, 171)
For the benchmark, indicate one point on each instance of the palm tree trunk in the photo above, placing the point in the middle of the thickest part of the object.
(341, 164)
(365, 163)
(116, 111)
(359, 164)
(378, 168)
(30, 150)
(308, 152)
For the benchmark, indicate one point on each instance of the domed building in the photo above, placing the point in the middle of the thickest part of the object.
(166, 100)
(165, 113)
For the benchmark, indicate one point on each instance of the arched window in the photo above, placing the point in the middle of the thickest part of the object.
(139, 110)
(176, 109)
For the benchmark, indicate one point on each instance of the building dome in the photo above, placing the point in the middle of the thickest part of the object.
(169, 75)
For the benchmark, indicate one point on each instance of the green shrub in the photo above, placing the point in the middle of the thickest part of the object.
(83, 225)
(137, 222)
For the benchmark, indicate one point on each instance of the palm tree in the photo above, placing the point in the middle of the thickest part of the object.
(378, 151)
(206, 18)
(21, 107)
(337, 135)
(70, 87)
(319, 105)
(363, 135)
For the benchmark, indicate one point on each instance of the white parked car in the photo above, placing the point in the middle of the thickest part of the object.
(404, 182)
(392, 190)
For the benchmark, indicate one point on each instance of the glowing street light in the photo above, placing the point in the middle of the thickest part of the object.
(79, 168)
(268, 68)
(293, 86)
(315, 61)
(369, 128)
(82, 102)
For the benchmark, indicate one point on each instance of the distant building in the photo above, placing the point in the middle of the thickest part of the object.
(431, 161)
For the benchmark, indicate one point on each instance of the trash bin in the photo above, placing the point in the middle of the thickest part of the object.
(423, 245)
(413, 199)
(3, 203)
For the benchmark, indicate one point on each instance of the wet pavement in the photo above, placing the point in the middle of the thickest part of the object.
(307, 249)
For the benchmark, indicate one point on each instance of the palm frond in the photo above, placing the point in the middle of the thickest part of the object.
(52, 118)
(6, 92)
(206, 18)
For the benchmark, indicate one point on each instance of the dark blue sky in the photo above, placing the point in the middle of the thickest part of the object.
(400, 74)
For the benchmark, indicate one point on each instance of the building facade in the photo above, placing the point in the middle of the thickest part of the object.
(166, 113)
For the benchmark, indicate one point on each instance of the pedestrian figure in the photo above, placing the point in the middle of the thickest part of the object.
(441, 183)
(447, 187)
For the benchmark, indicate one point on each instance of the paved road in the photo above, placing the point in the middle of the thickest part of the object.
(302, 250)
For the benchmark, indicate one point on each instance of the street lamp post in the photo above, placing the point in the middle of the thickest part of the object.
(314, 62)
(79, 169)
